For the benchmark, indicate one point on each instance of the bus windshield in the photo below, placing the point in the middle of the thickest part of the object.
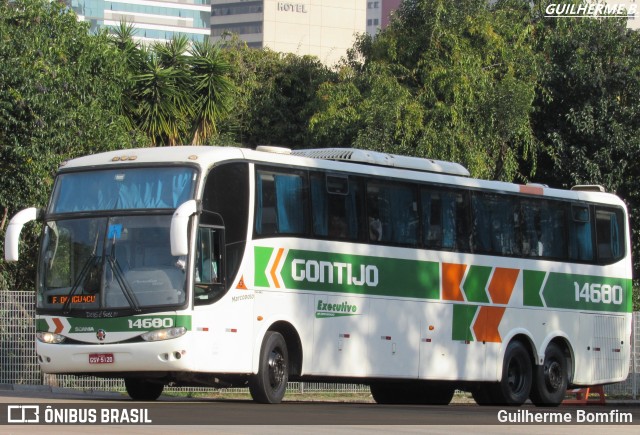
(116, 263)
(121, 189)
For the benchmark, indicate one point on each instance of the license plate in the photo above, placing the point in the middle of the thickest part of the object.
(101, 358)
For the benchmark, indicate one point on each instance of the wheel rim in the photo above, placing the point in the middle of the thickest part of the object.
(553, 375)
(277, 369)
(515, 378)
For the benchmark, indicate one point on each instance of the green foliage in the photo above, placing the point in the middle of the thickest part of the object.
(59, 87)
(448, 80)
(275, 96)
(587, 113)
(177, 92)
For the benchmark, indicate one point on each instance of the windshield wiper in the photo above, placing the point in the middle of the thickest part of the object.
(129, 295)
(91, 262)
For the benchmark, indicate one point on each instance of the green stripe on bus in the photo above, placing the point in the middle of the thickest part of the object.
(119, 324)
(475, 284)
(532, 283)
(262, 256)
(463, 316)
(376, 276)
(585, 292)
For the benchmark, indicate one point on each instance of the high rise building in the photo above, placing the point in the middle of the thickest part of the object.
(323, 28)
(154, 20)
(379, 14)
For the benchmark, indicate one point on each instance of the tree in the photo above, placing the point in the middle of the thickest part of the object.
(587, 115)
(177, 90)
(448, 80)
(275, 96)
(212, 92)
(59, 90)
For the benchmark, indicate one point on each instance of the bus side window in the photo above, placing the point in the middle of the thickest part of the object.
(335, 206)
(280, 199)
(392, 211)
(580, 236)
(445, 219)
(609, 240)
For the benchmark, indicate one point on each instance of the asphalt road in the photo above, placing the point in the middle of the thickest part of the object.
(170, 415)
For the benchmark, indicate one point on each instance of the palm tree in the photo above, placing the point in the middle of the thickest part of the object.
(212, 91)
(163, 106)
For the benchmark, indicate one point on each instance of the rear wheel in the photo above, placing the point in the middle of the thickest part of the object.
(551, 378)
(270, 383)
(387, 394)
(143, 390)
(515, 385)
(482, 394)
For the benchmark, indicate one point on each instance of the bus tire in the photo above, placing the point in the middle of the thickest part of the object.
(482, 394)
(270, 383)
(385, 394)
(551, 378)
(436, 394)
(515, 384)
(142, 390)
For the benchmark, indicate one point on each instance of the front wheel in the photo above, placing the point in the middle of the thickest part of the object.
(142, 390)
(551, 378)
(270, 383)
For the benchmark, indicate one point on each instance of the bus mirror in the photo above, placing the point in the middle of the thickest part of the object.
(180, 226)
(12, 236)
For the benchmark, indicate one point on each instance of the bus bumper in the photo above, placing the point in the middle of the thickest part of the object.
(166, 355)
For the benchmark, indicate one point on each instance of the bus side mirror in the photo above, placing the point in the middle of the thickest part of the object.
(12, 236)
(180, 228)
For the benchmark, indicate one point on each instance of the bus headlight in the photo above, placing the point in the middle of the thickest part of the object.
(164, 334)
(50, 337)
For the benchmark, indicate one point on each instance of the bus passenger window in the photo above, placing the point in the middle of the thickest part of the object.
(444, 220)
(334, 205)
(580, 237)
(280, 199)
(392, 211)
(609, 235)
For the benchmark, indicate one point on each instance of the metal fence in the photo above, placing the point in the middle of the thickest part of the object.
(18, 362)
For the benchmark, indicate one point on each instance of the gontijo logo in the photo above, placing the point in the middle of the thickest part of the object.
(328, 272)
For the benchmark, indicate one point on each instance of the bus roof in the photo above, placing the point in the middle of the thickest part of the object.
(333, 159)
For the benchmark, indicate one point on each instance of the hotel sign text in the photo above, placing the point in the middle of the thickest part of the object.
(292, 7)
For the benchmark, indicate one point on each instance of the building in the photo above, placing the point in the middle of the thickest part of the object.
(323, 28)
(379, 14)
(154, 20)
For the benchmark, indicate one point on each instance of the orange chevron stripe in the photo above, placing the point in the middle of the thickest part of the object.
(487, 323)
(452, 275)
(274, 268)
(59, 325)
(502, 284)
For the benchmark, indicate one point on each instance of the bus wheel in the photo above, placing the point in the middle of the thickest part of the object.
(437, 394)
(141, 390)
(385, 394)
(270, 384)
(514, 388)
(482, 394)
(550, 379)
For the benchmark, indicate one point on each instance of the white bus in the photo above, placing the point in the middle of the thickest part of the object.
(230, 267)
